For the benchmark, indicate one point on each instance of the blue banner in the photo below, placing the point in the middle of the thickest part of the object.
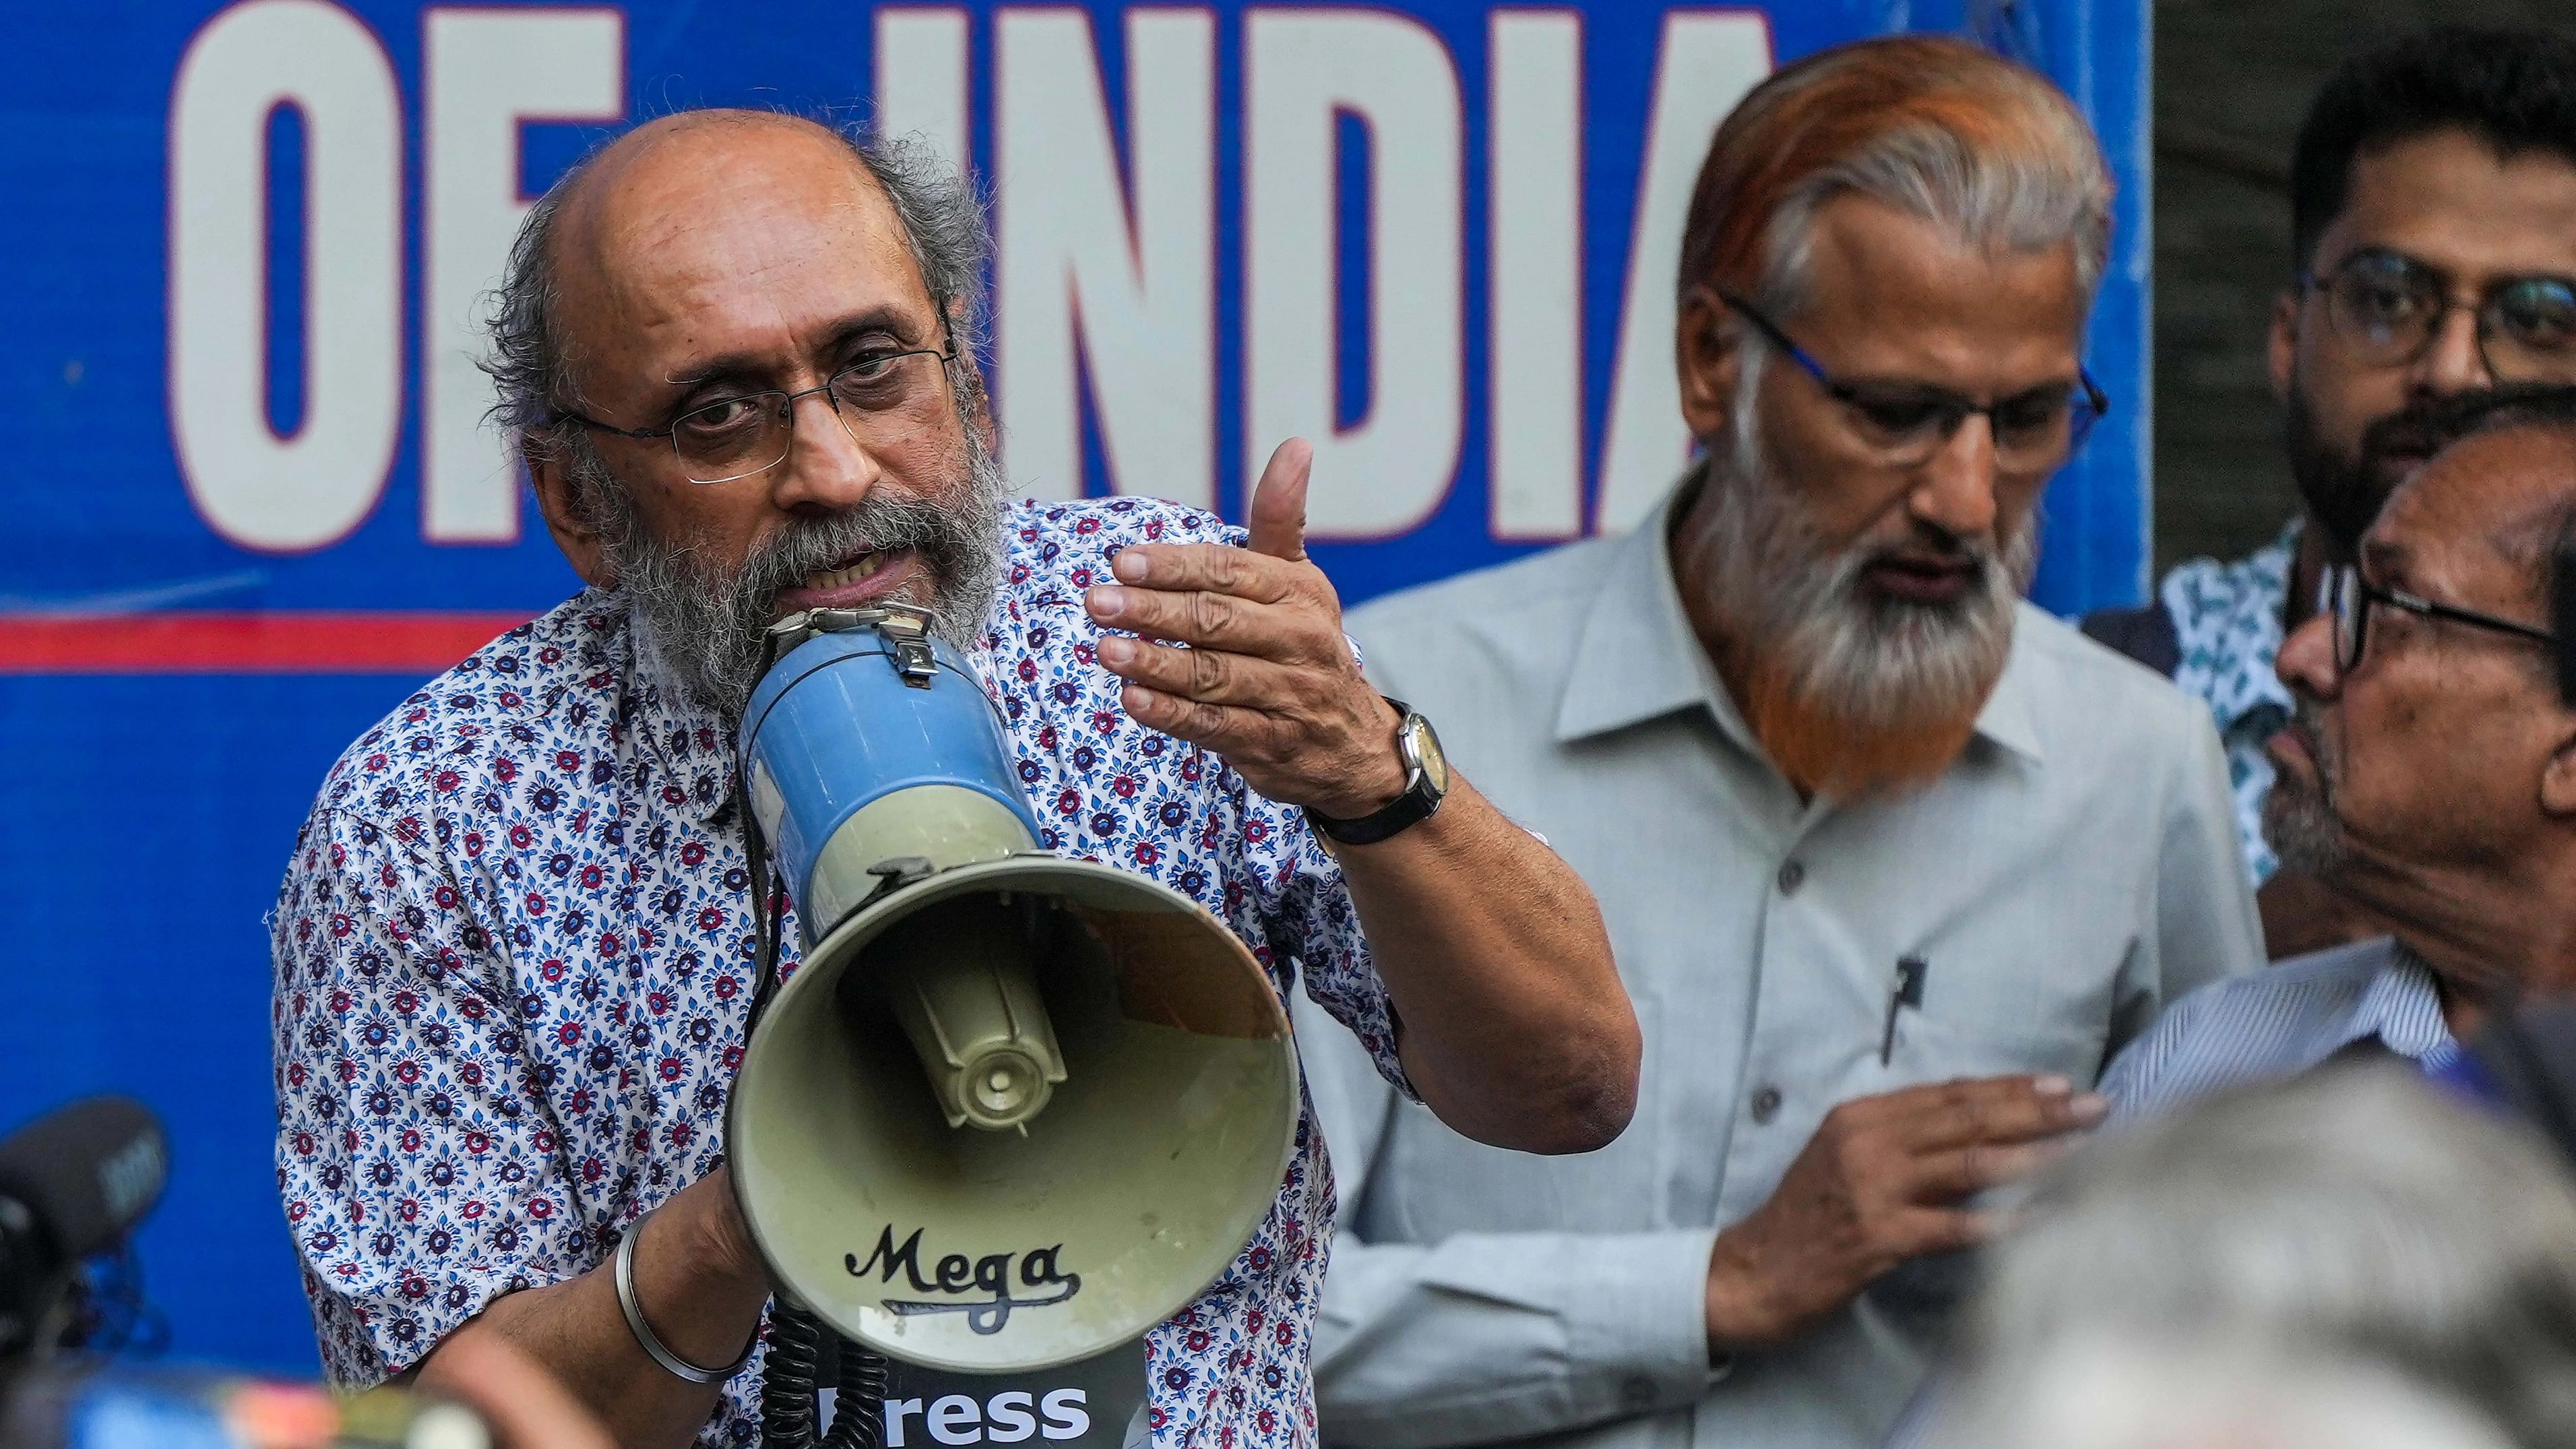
(253, 498)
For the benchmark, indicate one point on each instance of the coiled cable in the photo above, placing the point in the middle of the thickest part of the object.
(787, 1418)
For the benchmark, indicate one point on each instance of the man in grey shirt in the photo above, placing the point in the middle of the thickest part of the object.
(1892, 863)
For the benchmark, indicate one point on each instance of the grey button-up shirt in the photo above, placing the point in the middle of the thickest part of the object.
(2075, 870)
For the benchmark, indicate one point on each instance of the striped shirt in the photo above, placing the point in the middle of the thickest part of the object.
(2280, 1022)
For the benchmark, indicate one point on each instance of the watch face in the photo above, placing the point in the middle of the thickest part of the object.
(1426, 751)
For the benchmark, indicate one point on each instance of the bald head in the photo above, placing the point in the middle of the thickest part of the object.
(2501, 482)
(646, 224)
(700, 236)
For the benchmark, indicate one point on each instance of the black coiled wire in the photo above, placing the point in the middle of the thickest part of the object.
(798, 1348)
(787, 1419)
(858, 1413)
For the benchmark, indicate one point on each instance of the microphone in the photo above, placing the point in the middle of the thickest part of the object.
(73, 1183)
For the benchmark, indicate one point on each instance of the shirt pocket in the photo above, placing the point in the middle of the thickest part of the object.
(1930, 1048)
(1917, 1298)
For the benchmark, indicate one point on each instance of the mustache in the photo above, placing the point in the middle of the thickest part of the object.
(2311, 717)
(2415, 430)
(706, 619)
(878, 523)
(1930, 545)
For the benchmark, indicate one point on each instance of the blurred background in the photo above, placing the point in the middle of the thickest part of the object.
(250, 503)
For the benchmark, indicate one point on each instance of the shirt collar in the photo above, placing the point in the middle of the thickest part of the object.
(2402, 1008)
(1636, 657)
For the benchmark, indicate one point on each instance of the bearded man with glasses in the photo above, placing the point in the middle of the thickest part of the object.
(2433, 234)
(2428, 774)
(1892, 861)
(514, 949)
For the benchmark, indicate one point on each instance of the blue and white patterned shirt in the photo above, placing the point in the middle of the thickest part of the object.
(2227, 626)
(2280, 1022)
(513, 956)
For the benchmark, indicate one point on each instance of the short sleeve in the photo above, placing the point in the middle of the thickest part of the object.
(1306, 903)
(419, 1180)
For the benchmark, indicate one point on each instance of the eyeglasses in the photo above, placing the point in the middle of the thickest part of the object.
(2344, 596)
(884, 399)
(2387, 307)
(1906, 424)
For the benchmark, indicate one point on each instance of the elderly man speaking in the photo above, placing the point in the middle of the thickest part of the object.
(513, 948)
(1892, 862)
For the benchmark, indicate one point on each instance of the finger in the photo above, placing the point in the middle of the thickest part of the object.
(1921, 1232)
(1209, 676)
(1279, 502)
(1953, 1173)
(1217, 568)
(1225, 728)
(526, 1406)
(1216, 621)
(1995, 1109)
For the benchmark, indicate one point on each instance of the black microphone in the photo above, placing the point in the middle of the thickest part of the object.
(73, 1183)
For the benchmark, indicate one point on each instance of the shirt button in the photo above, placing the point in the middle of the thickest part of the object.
(1792, 875)
(1766, 1104)
(1637, 1393)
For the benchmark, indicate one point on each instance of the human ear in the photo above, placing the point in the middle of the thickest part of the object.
(1708, 358)
(2558, 780)
(567, 520)
(2281, 352)
(2558, 777)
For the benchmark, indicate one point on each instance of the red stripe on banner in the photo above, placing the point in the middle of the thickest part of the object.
(281, 643)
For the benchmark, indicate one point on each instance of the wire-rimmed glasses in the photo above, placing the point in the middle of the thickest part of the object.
(1906, 423)
(884, 398)
(2387, 307)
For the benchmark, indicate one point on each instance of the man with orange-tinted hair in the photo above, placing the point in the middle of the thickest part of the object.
(1892, 862)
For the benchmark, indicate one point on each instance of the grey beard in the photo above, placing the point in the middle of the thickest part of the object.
(1875, 664)
(2303, 825)
(707, 629)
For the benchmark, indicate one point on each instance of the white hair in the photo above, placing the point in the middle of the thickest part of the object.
(2353, 1215)
(2005, 200)
(2115, 1392)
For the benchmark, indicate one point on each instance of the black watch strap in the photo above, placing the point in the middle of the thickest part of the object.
(1420, 800)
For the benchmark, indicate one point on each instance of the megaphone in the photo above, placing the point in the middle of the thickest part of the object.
(1012, 1110)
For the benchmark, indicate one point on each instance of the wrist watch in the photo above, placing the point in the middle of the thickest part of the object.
(1426, 783)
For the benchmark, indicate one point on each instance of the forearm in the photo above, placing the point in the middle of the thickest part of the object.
(1516, 1030)
(698, 1292)
(1498, 1336)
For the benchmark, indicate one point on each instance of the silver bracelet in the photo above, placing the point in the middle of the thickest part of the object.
(678, 1367)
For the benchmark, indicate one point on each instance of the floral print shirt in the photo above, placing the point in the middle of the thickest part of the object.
(514, 951)
(2227, 620)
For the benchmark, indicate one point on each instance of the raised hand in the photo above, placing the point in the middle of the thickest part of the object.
(1267, 679)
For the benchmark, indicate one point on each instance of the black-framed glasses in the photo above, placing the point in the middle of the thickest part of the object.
(884, 398)
(2388, 307)
(2347, 598)
(1906, 423)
